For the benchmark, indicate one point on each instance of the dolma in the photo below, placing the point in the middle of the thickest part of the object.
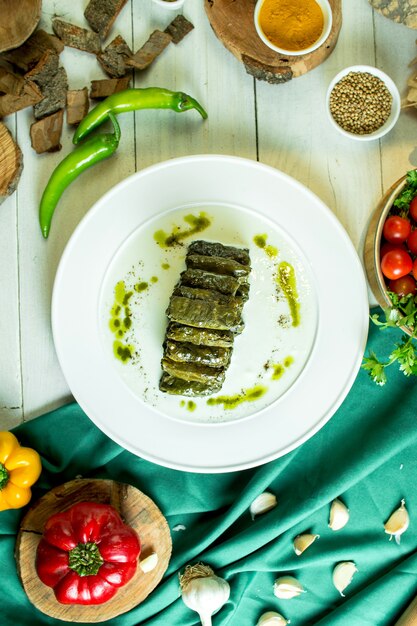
(179, 386)
(205, 314)
(184, 352)
(200, 336)
(209, 248)
(217, 265)
(192, 372)
(208, 280)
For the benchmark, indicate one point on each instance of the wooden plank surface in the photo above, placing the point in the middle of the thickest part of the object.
(282, 125)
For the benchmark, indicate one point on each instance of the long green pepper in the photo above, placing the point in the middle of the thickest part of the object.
(134, 100)
(102, 146)
(88, 153)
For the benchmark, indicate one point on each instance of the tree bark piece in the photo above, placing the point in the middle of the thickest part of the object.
(113, 58)
(30, 96)
(179, 28)
(401, 11)
(100, 14)
(108, 86)
(45, 134)
(76, 37)
(234, 25)
(18, 21)
(156, 44)
(52, 81)
(11, 83)
(77, 105)
(11, 163)
(27, 56)
(136, 509)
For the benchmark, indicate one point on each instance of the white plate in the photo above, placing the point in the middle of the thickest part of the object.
(243, 198)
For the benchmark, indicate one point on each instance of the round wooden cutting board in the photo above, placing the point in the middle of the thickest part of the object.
(402, 11)
(233, 23)
(136, 509)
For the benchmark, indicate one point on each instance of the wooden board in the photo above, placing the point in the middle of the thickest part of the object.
(402, 11)
(11, 163)
(136, 509)
(234, 25)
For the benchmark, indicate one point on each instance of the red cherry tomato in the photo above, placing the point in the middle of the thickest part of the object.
(396, 263)
(403, 286)
(387, 247)
(415, 269)
(413, 208)
(412, 242)
(396, 229)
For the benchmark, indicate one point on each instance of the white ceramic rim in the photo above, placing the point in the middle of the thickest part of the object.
(395, 108)
(328, 23)
(315, 395)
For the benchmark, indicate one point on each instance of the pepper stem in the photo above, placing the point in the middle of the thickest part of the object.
(85, 559)
(4, 476)
(116, 126)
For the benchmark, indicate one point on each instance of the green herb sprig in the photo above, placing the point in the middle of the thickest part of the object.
(408, 193)
(402, 313)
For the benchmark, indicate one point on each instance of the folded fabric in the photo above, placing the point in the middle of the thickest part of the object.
(366, 454)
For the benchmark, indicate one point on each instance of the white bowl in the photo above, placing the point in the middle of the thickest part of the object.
(395, 107)
(327, 26)
(173, 5)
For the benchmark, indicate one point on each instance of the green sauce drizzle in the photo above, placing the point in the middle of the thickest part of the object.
(197, 225)
(287, 281)
(231, 402)
(165, 266)
(278, 369)
(120, 321)
(191, 406)
(141, 287)
(154, 279)
(260, 241)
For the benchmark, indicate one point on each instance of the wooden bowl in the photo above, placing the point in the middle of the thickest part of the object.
(135, 508)
(18, 21)
(372, 247)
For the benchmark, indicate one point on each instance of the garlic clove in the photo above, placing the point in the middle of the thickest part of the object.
(272, 618)
(339, 515)
(343, 574)
(302, 542)
(149, 563)
(398, 522)
(262, 504)
(287, 587)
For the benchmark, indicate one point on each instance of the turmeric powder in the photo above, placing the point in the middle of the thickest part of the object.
(292, 25)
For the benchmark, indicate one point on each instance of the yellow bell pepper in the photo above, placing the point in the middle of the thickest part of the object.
(20, 468)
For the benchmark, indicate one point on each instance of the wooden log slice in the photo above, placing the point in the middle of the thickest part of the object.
(136, 509)
(234, 25)
(401, 11)
(11, 163)
(18, 20)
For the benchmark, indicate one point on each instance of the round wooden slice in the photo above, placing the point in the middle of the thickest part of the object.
(18, 21)
(11, 163)
(136, 509)
(234, 25)
(402, 11)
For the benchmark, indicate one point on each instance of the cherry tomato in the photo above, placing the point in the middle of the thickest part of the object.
(403, 286)
(415, 269)
(413, 208)
(387, 247)
(396, 229)
(396, 263)
(412, 242)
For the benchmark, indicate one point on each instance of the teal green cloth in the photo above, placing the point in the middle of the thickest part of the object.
(367, 454)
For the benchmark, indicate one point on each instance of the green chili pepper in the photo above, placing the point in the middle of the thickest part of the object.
(133, 100)
(88, 153)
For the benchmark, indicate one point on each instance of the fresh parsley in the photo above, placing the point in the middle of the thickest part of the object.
(402, 202)
(402, 313)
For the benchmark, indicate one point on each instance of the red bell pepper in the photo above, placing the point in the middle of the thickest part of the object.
(87, 553)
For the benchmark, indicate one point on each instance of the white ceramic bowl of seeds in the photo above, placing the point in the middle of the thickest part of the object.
(363, 102)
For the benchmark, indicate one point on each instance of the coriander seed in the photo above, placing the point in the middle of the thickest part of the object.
(360, 103)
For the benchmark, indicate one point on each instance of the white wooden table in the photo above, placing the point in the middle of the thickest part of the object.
(282, 125)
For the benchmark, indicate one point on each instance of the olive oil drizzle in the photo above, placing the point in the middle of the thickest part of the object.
(120, 322)
(278, 369)
(196, 225)
(287, 281)
(231, 402)
(260, 241)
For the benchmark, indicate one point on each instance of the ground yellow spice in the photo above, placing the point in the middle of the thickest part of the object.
(291, 24)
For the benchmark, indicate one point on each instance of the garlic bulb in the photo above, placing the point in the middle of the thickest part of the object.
(262, 504)
(339, 515)
(302, 542)
(271, 618)
(343, 574)
(149, 563)
(287, 587)
(398, 523)
(203, 591)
